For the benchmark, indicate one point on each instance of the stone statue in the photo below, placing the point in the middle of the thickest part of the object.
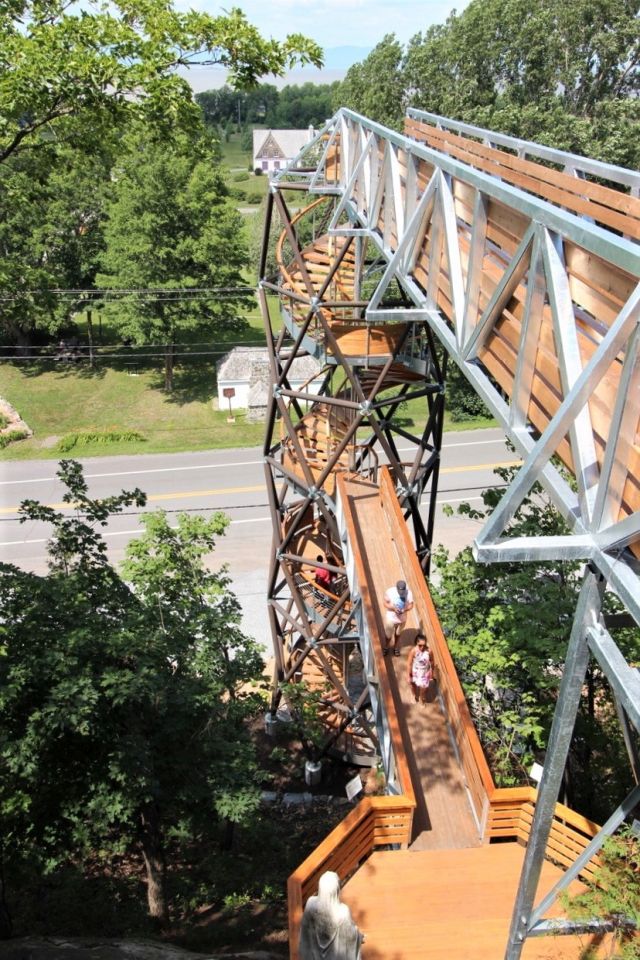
(327, 931)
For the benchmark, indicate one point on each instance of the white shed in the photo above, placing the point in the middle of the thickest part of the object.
(246, 371)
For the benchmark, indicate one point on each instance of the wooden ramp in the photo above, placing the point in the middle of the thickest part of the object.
(437, 904)
(443, 817)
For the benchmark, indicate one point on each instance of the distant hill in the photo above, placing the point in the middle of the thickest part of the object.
(337, 62)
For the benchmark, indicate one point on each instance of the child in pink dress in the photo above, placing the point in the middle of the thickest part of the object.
(419, 669)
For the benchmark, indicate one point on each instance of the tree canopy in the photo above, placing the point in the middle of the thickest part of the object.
(123, 698)
(292, 107)
(564, 74)
(62, 62)
(75, 80)
(170, 225)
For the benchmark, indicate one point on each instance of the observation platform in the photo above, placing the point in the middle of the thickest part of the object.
(439, 904)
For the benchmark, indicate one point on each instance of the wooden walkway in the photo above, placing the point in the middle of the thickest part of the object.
(440, 904)
(448, 895)
(443, 818)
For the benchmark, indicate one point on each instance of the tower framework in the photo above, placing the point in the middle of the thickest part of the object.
(521, 265)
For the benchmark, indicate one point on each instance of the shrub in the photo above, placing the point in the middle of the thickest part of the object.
(237, 193)
(258, 172)
(7, 438)
(240, 177)
(463, 403)
(71, 440)
(4, 421)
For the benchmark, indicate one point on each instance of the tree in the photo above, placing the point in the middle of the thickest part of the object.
(61, 61)
(508, 626)
(578, 54)
(170, 225)
(566, 75)
(123, 701)
(376, 86)
(51, 211)
(250, 106)
(300, 106)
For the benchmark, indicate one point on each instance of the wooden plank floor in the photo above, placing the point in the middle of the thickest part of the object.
(447, 905)
(443, 817)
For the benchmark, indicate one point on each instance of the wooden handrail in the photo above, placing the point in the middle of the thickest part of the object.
(283, 235)
(616, 209)
(507, 813)
(511, 815)
(374, 822)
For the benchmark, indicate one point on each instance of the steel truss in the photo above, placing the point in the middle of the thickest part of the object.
(431, 220)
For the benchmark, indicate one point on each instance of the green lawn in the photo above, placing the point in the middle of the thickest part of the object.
(124, 394)
(236, 160)
(63, 401)
(60, 400)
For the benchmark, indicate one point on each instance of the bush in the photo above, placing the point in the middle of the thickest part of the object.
(237, 193)
(240, 177)
(258, 172)
(7, 438)
(71, 440)
(253, 197)
(463, 403)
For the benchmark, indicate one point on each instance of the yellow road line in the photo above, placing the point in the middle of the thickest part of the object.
(482, 466)
(156, 497)
(222, 491)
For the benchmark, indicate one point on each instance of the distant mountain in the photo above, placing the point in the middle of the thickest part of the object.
(341, 58)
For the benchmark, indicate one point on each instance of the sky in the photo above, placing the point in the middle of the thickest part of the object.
(336, 23)
(360, 24)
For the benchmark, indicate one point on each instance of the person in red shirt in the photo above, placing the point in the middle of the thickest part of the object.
(323, 577)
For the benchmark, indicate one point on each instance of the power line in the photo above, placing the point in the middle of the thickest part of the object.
(141, 293)
(126, 357)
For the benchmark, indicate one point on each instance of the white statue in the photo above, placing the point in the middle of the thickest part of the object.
(327, 931)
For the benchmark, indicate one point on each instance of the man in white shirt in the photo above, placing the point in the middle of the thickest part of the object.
(398, 601)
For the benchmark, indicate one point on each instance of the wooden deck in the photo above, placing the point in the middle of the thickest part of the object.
(443, 817)
(437, 904)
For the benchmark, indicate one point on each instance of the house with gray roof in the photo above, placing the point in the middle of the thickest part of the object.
(273, 149)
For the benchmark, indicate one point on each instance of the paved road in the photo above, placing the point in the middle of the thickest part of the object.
(229, 480)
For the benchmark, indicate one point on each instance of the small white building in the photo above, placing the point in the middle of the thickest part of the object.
(246, 371)
(273, 149)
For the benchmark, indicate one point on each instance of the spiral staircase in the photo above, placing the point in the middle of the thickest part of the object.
(349, 419)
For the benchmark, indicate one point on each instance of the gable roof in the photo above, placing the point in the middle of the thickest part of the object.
(243, 363)
(288, 142)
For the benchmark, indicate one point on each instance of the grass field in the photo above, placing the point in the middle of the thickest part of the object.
(57, 401)
(235, 160)
(124, 394)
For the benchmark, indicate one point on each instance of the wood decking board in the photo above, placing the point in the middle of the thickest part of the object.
(437, 904)
(443, 818)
